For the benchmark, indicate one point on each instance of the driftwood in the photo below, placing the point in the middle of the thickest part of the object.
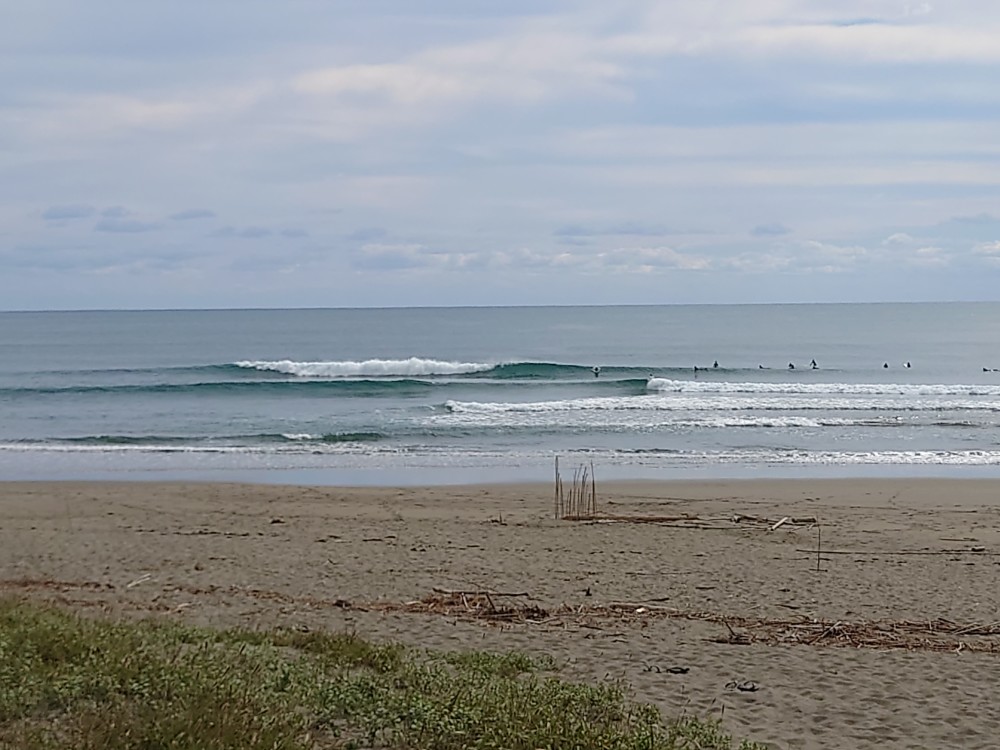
(608, 518)
(688, 521)
(794, 520)
(490, 608)
(477, 592)
(981, 551)
(925, 635)
(469, 606)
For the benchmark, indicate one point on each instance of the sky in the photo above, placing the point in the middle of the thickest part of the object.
(370, 153)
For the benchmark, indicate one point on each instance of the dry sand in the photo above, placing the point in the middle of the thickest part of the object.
(326, 557)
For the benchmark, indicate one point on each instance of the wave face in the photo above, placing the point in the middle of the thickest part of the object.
(420, 367)
(238, 388)
(372, 377)
(259, 443)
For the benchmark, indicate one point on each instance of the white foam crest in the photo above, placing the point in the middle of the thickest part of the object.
(772, 457)
(886, 458)
(414, 366)
(861, 389)
(646, 421)
(133, 448)
(773, 421)
(289, 449)
(719, 402)
(437, 457)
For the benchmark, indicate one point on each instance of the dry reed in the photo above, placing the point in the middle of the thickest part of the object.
(581, 500)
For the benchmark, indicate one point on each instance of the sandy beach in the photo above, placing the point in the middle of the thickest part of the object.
(704, 597)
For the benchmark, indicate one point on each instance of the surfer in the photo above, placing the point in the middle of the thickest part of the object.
(907, 365)
(716, 364)
(596, 370)
(814, 365)
(885, 365)
(791, 365)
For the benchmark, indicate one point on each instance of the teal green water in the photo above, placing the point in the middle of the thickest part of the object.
(441, 395)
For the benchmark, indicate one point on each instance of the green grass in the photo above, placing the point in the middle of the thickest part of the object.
(71, 682)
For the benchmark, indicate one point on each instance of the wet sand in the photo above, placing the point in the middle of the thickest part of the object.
(687, 596)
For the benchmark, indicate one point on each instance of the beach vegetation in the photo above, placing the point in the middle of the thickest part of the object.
(68, 681)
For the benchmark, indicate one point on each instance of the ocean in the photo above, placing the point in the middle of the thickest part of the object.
(444, 395)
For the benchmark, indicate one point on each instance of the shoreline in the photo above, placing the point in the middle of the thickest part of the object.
(896, 553)
(614, 484)
(449, 476)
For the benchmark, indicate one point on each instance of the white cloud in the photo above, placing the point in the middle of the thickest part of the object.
(869, 43)
(560, 57)
(898, 239)
(760, 262)
(406, 84)
(930, 257)
(396, 257)
(617, 260)
(805, 173)
(579, 53)
(536, 63)
(82, 116)
(853, 32)
(885, 139)
(648, 259)
(376, 255)
(987, 248)
(827, 257)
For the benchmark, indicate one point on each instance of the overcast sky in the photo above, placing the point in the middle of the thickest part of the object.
(326, 153)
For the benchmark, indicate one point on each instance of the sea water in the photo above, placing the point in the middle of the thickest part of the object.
(438, 395)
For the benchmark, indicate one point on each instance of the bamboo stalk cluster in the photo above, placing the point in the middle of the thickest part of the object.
(581, 500)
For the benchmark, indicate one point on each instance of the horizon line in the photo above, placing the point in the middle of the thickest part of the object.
(487, 307)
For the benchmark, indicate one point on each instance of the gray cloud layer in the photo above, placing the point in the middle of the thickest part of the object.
(380, 153)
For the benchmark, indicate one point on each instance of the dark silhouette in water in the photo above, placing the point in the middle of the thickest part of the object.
(885, 365)
(596, 371)
(715, 364)
(907, 365)
(814, 365)
(791, 365)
